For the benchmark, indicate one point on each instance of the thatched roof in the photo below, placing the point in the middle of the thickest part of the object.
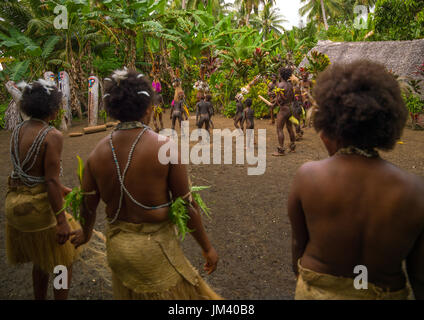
(402, 57)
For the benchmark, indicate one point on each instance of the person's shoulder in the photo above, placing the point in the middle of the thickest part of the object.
(100, 149)
(311, 168)
(412, 184)
(54, 136)
(158, 140)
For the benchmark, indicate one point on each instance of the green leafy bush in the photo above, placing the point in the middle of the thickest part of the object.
(415, 107)
(230, 109)
(399, 19)
(317, 63)
(3, 108)
(260, 108)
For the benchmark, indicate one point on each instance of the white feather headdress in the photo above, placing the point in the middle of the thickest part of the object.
(119, 75)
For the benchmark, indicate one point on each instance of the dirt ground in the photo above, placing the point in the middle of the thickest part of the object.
(249, 226)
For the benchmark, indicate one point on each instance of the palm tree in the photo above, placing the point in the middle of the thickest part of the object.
(269, 20)
(318, 9)
(249, 5)
(368, 3)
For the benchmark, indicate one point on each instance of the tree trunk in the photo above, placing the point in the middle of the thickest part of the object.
(133, 53)
(324, 16)
(74, 72)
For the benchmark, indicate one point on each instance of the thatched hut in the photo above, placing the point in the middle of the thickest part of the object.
(402, 57)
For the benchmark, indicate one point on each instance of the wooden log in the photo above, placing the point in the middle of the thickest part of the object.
(76, 134)
(265, 100)
(94, 129)
(111, 124)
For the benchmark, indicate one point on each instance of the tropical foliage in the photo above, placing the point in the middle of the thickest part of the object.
(226, 45)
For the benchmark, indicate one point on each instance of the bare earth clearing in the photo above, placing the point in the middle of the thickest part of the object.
(249, 226)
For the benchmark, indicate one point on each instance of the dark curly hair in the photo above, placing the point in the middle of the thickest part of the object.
(285, 73)
(39, 101)
(360, 105)
(248, 102)
(128, 94)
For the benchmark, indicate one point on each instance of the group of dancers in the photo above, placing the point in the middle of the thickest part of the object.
(292, 97)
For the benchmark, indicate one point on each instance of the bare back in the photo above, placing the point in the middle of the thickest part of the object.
(146, 179)
(286, 98)
(360, 211)
(27, 134)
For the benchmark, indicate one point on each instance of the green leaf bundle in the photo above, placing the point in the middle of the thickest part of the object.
(178, 213)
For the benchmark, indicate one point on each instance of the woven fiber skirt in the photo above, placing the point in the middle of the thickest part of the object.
(147, 262)
(31, 230)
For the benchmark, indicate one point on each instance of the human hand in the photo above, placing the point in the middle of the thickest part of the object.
(211, 257)
(79, 238)
(65, 191)
(63, 231)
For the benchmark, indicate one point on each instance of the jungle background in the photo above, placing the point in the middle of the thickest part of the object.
(225, 44)
(231, 44)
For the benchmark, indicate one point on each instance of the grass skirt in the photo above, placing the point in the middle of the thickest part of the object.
(183, 290)
(313, 285)
(31, 230)
(147, 262)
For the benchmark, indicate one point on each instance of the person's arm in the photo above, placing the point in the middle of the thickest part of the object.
(162, 104)
(184, 106)
(89, 205)
(243, 119)
(172, 109)
(197, 112)
(179, 186)
(299, 230)
(55, 191)
(415, 268)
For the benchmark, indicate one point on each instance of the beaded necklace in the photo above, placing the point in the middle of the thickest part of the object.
(121, 177)
(19, 170)
(369, 153)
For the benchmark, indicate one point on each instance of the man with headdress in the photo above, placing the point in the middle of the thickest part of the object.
(271, 86)
(284, 98)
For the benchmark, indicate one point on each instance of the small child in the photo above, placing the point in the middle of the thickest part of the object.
(203, 112)
(248, 117)
(239, 112)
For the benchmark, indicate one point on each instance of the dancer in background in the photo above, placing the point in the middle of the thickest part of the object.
(284, 99)
(239, 112)
(249, 118)
(177, 111)
(271, 95)
(158, 104)
(355, 214)
(203, 112)
(158, 110)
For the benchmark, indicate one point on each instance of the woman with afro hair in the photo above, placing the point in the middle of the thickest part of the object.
(37, 230)
(355, 217)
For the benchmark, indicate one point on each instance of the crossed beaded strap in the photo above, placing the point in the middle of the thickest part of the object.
(18, 168)
(122, 177)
